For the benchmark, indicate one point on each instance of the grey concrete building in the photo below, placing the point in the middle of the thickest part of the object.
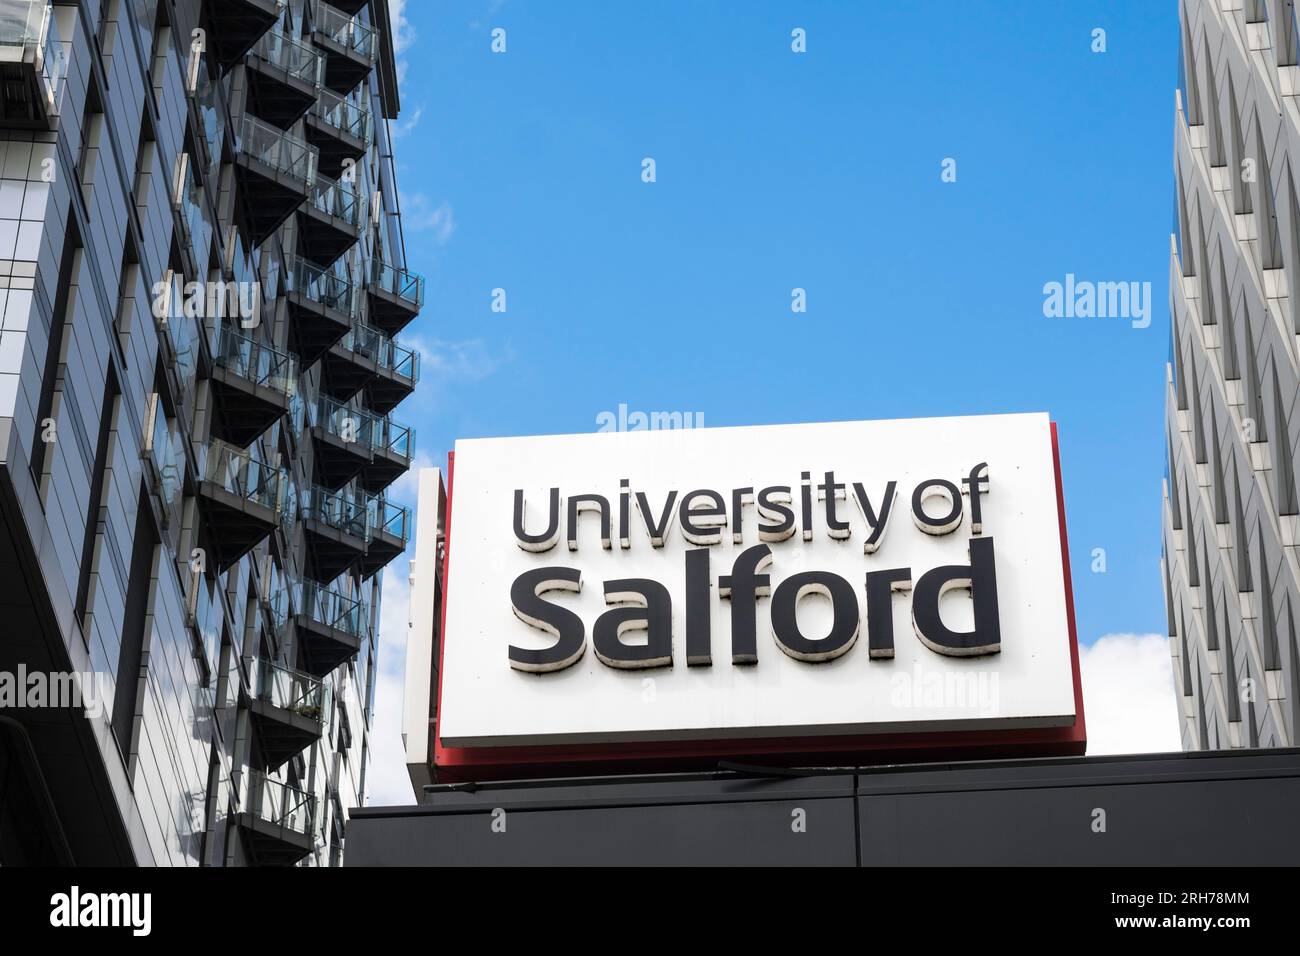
(202, 279)
(1231, 525)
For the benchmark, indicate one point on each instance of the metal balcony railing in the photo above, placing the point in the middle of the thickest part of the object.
(277, 803)
(238, 472)
(273, 147)
(336, 198)
(299, 60)
(388, 517)
(383, 350)
(393, 438)
(326, 287)
(333, 609)
(338, 509)
(351, 425)
(342, 114)
(290, 690)
(399, 359)
(256, 362)
(396, 281)
(348, 32)
(30, 35)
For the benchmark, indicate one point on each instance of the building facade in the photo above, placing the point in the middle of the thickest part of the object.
(202, 282)
(1231, 526)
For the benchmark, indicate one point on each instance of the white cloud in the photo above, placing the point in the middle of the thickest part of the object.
(470, 360)
(399, 129)
(1128, 695)
(419, 214)
(404, 34)
(388, 782)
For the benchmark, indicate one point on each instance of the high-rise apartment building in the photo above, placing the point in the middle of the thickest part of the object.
(202, 282)
(1231, 523)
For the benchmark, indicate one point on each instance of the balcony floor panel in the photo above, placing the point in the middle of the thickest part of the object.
(389, 313)
(232, 526)
(273, 845)
(314, 328)
(269, 197)
(330, 551)
(345, 372)
(281, 733)
(275, 95)
(337, 461)
(382, 471)
(237, 25)
(324, 647)
(244, 410)
(322, 238)
(386, 391)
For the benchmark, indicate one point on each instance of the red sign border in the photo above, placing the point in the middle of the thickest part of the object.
(461, 764)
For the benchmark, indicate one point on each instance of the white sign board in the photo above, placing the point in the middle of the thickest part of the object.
(788, 581)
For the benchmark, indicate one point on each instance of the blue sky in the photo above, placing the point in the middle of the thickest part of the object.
(819, 170)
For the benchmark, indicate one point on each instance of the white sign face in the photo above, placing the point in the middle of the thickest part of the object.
(783, 581)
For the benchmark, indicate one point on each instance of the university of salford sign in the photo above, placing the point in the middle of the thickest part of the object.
(648, 597)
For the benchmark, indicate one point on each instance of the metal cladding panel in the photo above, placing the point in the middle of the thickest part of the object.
(672, 823)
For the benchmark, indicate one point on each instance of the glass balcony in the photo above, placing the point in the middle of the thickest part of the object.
(338, 510)
(339, 200)
(237, 472)
(257, 363)
(329, 288)
(368, 359)
(350, 45)
(323, 303)
(396, 296)
(399, 370)
(252, 383)
(290, 710)
(335, 528)
(274, 148)
(285, 76)
(344, 116)
(330, 220)
(288, 689)
(33, 89)
(343, 440)
(394, 439)
(279, 820)
(331, 627)
(340, 128)
(243, 499)
(276, 170)
(389, 518)
(390, 529)
(393, 448)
